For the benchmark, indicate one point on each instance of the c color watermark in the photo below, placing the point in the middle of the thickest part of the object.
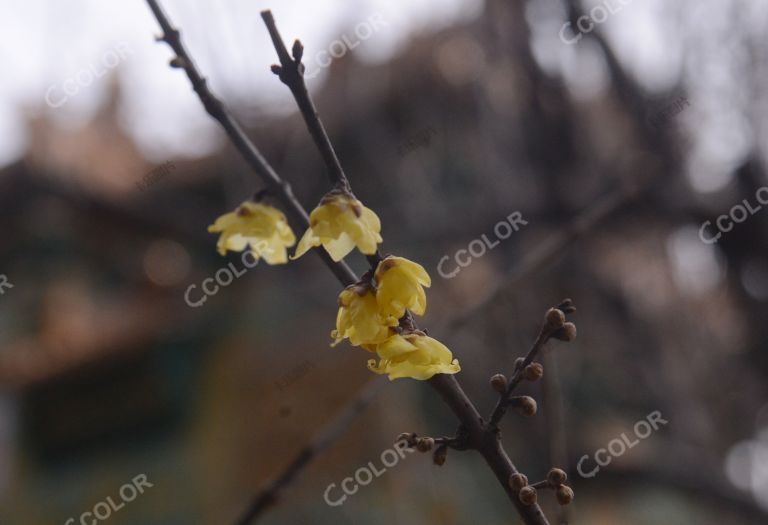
(104, 509)
(619, 446)
(4, 283)
(365, 475)
(478, 247)
(224, 277)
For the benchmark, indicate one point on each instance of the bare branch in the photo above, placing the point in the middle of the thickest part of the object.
(291, 73)
(216, 109)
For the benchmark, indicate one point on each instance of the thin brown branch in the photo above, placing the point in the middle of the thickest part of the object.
(322, 441)
(216, 109)
(291, 73)
(503, 402)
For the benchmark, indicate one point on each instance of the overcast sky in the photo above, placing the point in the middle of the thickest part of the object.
(46, 44)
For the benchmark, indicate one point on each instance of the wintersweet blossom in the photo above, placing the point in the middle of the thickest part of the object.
(359, 319)
(413, 355)
(401, 286)
(340, 223)
(262, 227)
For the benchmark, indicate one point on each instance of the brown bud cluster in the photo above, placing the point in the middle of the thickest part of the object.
(566, 333)
(526, 404)
(533, 372)
(554, 319)
(556, 477)
(517, 481)
(527, 495)
(499, 383)
(425, 444)
(564, 495)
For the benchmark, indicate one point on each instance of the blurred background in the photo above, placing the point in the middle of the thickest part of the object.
(616, 137)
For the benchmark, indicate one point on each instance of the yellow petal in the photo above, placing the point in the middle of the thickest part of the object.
(308, 240)
(339, 248)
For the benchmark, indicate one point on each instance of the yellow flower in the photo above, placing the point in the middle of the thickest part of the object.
(340, 223)
(401, 285)
(413, 355)
(359, 320)
(262, 227)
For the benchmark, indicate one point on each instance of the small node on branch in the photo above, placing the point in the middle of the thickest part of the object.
(519, 363)
(441, 452)
(528, 496)
(556, 477)
(178, 63)
(499, 383)
(533, 372)
(564, 495)
(276, 69)
(298, 50)
(517, 481)
(525, 404)
(554, 319)
(425, 444)
(566, 333)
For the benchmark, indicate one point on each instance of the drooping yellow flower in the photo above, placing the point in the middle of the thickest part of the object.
(401, 285)
(413, 355)
(359, 320)
(340, 223)
(260, 226)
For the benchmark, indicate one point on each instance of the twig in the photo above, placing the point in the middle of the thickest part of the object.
(553, 326)
(324, 439)
(501, 405)
(216, 109)
(291, 73)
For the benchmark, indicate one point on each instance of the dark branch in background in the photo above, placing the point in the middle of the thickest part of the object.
(325, 438)
(279, 187)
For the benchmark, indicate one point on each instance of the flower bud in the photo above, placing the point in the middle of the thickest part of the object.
(527, 495)
(533, 372)
(517, 481)
(528, 406)
(566, 333)
(499, 383)
(556, 477)
(555, 319)
(519, 362)
(408, 437)
(441, 452)
(564, 495)
(425, 444)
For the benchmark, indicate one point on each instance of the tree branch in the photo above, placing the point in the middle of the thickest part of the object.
(485, 439)
(291, 73)
(216, 109)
